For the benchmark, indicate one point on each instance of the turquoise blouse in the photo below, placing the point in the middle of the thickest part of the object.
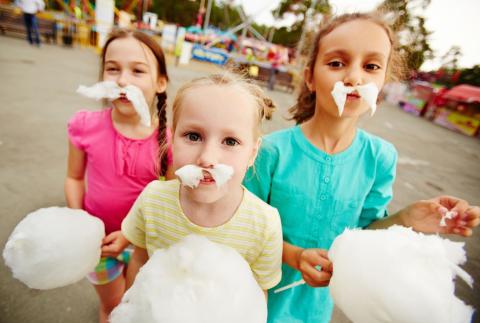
(319, 195)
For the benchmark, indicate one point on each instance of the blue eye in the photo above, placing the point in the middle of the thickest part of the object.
(230, 141)
(193, 136)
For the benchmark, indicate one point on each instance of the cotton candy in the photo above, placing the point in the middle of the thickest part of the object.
(191, 175)
(110, 90)
(54, 247)
(195, 281)
(397, 275)
(368, 92)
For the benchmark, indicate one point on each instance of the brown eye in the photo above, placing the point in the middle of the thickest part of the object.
(335, 64)
(372, 67)
(230, 142)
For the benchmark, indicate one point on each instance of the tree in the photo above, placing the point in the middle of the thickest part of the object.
(451, 57)
(410, 26)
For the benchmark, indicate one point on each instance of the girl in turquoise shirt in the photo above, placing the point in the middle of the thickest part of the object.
(325, 175)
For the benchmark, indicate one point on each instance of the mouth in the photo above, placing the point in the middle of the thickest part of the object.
(207, 178)
(353, 96)
(123, 98)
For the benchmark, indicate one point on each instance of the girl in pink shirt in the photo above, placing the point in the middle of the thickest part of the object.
(113, 156)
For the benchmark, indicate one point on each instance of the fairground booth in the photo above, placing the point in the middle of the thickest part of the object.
(457, 109)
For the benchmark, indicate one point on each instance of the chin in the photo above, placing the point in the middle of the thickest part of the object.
(207, 196)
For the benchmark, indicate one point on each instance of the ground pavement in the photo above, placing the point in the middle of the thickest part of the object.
(37, 96)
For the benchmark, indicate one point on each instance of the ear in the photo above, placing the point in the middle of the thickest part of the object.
(251, 161)
(307, 76)
(161, 84)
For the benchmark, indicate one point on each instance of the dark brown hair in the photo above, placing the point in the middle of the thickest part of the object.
(161, 97)
(305, 106)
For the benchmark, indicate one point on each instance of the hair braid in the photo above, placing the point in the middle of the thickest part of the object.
(162, 132)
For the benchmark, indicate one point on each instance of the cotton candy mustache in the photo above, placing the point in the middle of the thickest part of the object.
(191, 175)
(111, 91)
(368, 92)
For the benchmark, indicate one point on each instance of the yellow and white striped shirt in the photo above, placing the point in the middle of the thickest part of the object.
(156, 220)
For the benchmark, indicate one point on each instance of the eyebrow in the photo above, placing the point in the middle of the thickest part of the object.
(115, 62)
(342, 52)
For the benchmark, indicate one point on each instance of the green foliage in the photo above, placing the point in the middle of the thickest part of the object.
(406, 21)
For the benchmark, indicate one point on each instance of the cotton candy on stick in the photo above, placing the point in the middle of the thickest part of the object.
(191, 175)
(195, 280)
(111, 91)
(397, 275)
(54, 247)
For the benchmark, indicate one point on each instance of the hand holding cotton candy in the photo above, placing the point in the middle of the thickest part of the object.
(54, 247)
(397, 275)
(368, 92)
(111, 91)
(195, 280)
(191, 175)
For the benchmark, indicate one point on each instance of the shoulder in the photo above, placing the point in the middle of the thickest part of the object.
(161, 190)
(276, 142)
(90, 119)
(380, 149)
(263, 212)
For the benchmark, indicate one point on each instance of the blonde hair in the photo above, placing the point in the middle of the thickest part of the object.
(264, 104)
(305, 107)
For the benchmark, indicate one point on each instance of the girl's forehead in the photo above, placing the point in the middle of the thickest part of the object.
(359, 35)
(129, 49)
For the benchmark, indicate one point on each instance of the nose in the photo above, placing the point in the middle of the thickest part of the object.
(208, 156)
(353, 76)
(122, 80)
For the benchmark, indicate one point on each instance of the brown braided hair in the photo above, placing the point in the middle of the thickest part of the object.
(157, 51)
(304, 109)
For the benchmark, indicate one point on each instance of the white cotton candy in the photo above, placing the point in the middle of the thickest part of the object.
(447, 216)
(54, 247)
(368, 92)
(111, 91)
(101, 90)
(135, 95)
(221, 174)
(191, 175)
(397, 275)
(196, 281)
(339, 94)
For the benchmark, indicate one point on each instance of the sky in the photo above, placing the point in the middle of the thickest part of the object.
(452, 23)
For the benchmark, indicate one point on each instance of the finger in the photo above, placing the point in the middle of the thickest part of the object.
(109, 238)
(460, 207)
(322, 279)
(466, 232)
(472, 213)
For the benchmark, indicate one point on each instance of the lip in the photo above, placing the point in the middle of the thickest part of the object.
(353, 96)
(207, 179)
(124, 99)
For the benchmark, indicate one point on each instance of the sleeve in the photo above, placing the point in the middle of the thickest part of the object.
(267, 268)
(376, 202)
(258, 178)
(76, 129)
(133, 226)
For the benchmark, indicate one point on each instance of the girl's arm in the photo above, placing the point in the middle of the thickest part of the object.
(425, 215)
(139, 258)
(314, 265)
(75, 180)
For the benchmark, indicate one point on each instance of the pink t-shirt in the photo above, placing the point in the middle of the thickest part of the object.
(117, 167)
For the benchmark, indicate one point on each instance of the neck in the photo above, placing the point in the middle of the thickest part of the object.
(130, 126)
(329, 133)
(210, 214)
